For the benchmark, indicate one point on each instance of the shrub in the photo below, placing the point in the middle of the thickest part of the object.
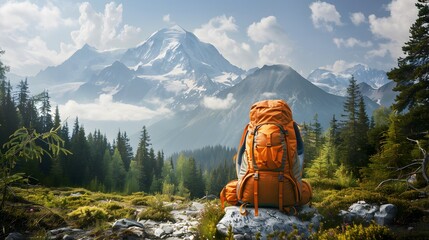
(354, 232)
(373, 231)
(87, 216)
(156, 211)
(211, 215)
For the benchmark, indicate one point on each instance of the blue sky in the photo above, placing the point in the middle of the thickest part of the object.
(301, 33)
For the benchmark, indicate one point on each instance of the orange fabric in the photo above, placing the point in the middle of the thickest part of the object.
(270, 148)
(256, 192)
(229, 193)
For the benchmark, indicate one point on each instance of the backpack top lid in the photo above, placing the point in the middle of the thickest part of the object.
(270, 111)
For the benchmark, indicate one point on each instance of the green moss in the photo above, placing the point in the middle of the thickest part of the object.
(354, 232)
(116, 210)
(156, 211)
(141, 201)
(88, 216)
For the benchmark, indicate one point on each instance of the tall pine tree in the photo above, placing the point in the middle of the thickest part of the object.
(412, 75)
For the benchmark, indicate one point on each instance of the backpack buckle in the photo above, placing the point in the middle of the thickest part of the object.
(281, 177)
(256, 175)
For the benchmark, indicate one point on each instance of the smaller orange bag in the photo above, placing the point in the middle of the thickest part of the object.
(229, 193)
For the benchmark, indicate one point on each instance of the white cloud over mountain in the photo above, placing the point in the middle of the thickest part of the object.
(276, 48)
(217, 31)
(339, 66)
(351, 42)
(325, 15)
(219, 103)
(393, 28)
(104, 30)
(105, 109)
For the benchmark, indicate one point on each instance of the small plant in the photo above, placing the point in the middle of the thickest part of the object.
(156, 211)
(141, 201)
(87, 216)
(211, 215)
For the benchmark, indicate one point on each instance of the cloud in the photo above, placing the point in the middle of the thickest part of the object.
(325, 15)
(393, 28)
(105, 109)
(275, 49)
(268, 95)
(218, 103)
(24, 15)
(21, 27)
(351, 42)
(339, 66)
(166, 19)
(104, 30)
(217, 31)
(357, 18)
(25, 30)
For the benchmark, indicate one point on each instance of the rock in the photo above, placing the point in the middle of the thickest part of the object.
(15, 236)
(159, 232)
(362, 211)
(68, 237)
(386, 214)
(66, 233)
(126, 223)
(267, 222)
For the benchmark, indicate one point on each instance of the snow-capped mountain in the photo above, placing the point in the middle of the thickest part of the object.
(170, 64)
(205, 126)
(337, 82)
(81, 66)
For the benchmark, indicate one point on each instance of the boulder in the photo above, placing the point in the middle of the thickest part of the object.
(126, 223)
(362, 211)
(386, 214)
(268, 221)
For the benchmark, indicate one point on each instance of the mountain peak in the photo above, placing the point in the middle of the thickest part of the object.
(176, 28)
(88, 47)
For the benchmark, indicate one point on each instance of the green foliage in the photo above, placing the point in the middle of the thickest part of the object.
(141, 201)
(335, 201)
(87, 216)
(412, 75)
(355, 232)
(23, 144)
(156, 211)
(211, 215)
(345, 177)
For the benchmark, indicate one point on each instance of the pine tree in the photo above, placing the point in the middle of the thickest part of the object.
(77, 168)
(143, 161)
(317, 134)
(124, 148)
(395, 153)
(412, 75)
(57, 118)
(108, 171)
(8, 117)
(352, 148)
(45, 112)
(334, 131)
(132, 178)
(118, 172)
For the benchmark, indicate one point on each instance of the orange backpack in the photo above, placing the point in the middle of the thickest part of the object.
(269, 162)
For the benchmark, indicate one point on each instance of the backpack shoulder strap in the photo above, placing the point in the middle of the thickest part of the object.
(241, 149)
(299, 142)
